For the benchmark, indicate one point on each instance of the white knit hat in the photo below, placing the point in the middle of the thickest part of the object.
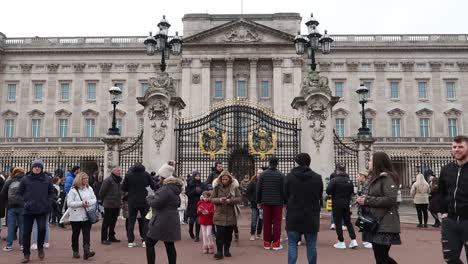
(165, 171)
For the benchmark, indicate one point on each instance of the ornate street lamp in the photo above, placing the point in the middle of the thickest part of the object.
(162, 43)
(364, 131)
(312, 42)
(114, 92)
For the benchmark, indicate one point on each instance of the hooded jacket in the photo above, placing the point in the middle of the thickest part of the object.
(194, 190)
(135, 183)
(303, 190)
(8, 194)
(36, 192)
(226, 214)
(341, 189)
(69, 180)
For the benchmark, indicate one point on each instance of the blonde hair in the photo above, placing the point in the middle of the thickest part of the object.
(421, 183)
(78, 182)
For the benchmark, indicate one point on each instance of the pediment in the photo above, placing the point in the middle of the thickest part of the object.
(62, 112)
(396, 112)
(424, 112)
(118, 112)
(140, 112)
(89, 112)
(240, 31)
(340, 112)
(370, 112)
(36, 112)
(9, 113)
(453, 112)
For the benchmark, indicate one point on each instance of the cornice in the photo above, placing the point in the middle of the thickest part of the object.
(186, 62)
(89, 112)
(63, 112)
(36, 112)
(324, 66)
(105, 67)
(396, 112)
(205, 62)
(340, 111)
(435, 65)
(462, 65)
(424, 112)
(380, 65)
(352, 65)
(277, 62)
(453, 111)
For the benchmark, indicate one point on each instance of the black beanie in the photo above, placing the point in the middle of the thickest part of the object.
(302, 159)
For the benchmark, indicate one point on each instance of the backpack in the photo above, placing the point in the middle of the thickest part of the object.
(12, 190)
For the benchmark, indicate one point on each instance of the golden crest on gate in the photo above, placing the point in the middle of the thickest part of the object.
(212, 142)
(262, 142)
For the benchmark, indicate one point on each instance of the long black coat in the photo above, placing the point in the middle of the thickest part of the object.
(193, 194)
(303, 190)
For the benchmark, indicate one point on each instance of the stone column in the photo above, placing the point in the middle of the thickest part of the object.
(297, 75)
(315, 107)
(24, 99)
(253, 90)
(206, 85)
(379, 95)
(131, 123)
(277, 86)
(407, 96)
(162, 109)
(51, 92)
(439, 91)
(103, 105)
(185, 91)
(78, 91)
(111, 152)
(364, 147)
(463, 68)
(229, 78)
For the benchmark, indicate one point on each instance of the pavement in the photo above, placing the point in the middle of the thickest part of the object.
(419, 246)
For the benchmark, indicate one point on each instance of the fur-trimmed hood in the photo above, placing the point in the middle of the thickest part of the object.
(234, 182)
(174, 180)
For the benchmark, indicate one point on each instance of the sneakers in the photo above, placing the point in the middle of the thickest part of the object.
(353, 244)
(132, 245)
(252, 238)
(8, 248)
(143, 244)
(266, 245)
(276, 246)
(344, 228)
(236, 237)
(34, 247)
(299, 243)
(367, 244)
(105, 242)
(46, 245)
(340, 245)
(332, 227)
(258, 236)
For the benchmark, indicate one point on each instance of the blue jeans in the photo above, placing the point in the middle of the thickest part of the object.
(311, 246)
(47, 234)
(256, 224)
(15, 218)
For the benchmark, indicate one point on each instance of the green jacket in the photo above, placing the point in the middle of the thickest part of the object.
(382, 202)
(226, 214)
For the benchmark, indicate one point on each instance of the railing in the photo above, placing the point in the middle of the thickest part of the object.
(39, 140)
(444, 140)
(138, 40)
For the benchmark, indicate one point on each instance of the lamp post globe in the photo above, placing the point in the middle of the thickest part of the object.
(114, 91)
(363, 131)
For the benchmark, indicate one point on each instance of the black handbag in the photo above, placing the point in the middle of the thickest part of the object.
(367, 222)
(91, 213)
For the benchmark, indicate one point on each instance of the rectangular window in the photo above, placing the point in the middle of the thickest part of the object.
(452, 127)
(370, 124)
(368, 84)
(264, 89)
(38, 91)
(90, 125)
(340, 127)
(144, 88)
(91, 91)
(11, 92)
(241, 89)
(422, 89)
(121, 86)
(218, 89)
(339, 89)
(450, 85)
(118, 124)
(63, 128)
(424, 127)
(9, 128)
(64, 91)
(394, 90)
(35, 128)
(396, 127)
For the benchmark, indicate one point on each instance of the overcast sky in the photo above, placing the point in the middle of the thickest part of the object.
(55, 18)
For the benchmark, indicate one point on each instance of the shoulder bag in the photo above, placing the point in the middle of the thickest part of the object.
(91, 213)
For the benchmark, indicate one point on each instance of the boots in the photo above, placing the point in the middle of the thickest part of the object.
(25, 259)
(76, 254)
(227, 245)
(88, 254)
(40, 253)
(219, 251)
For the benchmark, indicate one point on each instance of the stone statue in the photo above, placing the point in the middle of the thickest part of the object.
(163, 83)
(314, 83)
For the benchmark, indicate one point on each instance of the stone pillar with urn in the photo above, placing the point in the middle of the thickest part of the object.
(314, 106)
(112, 145)
(162, 109)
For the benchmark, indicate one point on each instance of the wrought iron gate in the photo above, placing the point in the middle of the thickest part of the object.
(346, 154)
(239, 134)
(131, 152)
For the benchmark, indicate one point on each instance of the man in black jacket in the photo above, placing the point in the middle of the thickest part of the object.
(136, 183)
(36, 193)
(218, 168)
(341, 189)
(303, 190)
(111, 197)
(270, 197)
(453, 188)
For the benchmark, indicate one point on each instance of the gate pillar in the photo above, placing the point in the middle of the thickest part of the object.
(314, 106)
(364, 147)
(162, 108)
(111, 152)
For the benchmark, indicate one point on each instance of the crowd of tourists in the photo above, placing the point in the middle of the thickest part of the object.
(160, 202)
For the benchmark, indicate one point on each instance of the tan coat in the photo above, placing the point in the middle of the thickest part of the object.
(382, 202)
(226, 214)
(420, 194)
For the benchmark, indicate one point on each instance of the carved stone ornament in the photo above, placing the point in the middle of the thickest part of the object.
(53, 67)
(132, 67)
(241, 34)
(212, 142)
(158, 111)
(314, 83)
(317, 114)
(435, 65)
(79, 67)
(325, 66)
(463, 65)
(186, 62)
(163, 83)
(105, 67)
(352, 65)
(196, 78)
(26, 68)
(110, 159)
(159, 133)
(262, 142)
(287, 78)
(407, 65)
(380, 65)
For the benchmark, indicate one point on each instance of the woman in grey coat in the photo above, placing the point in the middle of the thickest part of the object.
(164, 224)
